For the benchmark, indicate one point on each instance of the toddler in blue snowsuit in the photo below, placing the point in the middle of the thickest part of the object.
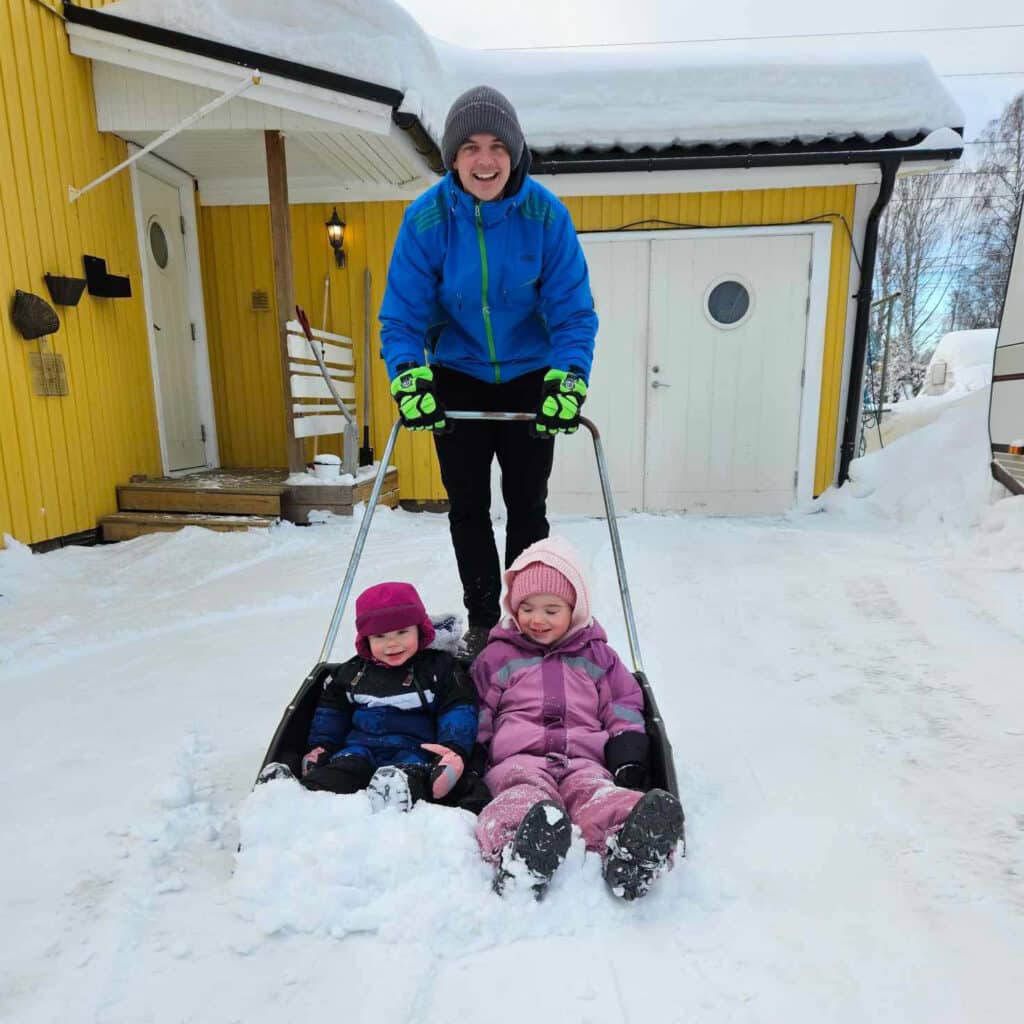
(399, 719)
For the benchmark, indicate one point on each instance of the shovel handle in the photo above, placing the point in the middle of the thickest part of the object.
(371, 504)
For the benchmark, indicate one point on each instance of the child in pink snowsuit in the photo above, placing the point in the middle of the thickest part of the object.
(564, 721)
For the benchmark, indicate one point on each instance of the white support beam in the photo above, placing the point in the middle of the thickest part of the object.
(251, 80)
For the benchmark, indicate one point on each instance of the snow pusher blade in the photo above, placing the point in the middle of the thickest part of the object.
(289, 742)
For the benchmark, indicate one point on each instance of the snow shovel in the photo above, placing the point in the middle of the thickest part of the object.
(289, 742)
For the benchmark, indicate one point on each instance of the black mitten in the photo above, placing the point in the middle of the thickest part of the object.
(630, 776)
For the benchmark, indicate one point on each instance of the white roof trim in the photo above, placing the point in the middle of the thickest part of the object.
(314, 101)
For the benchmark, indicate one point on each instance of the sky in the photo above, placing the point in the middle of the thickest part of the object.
(977, 49)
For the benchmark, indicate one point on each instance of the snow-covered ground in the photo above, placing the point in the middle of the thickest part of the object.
(842, 690)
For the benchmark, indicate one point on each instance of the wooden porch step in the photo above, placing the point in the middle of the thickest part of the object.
(126, 525)
(208, 496)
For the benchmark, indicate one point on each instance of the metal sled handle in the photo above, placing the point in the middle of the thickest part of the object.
(371, 504)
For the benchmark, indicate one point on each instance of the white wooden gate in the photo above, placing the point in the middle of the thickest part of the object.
(708, 344)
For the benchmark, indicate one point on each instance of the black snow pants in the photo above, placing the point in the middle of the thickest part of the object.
(465, 456)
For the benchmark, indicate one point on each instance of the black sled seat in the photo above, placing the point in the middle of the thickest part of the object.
(289, 742)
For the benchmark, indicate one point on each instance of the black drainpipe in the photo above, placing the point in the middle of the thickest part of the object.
(889, 165)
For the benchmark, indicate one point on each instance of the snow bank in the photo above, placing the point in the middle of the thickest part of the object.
(935, 478)
(319, 863)
(637, 96)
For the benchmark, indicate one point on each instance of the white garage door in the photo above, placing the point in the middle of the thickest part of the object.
(698, 374)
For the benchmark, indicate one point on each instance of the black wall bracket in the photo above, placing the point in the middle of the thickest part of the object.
(102, 284)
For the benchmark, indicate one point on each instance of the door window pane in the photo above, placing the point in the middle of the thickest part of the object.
(728, 303)
(158, 244)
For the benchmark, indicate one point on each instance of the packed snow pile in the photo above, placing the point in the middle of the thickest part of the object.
(318, 863)
(936, 477)
(717, 93)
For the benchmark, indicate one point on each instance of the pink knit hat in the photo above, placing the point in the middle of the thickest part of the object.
(389, 606)
(538, 578)
(555, 553)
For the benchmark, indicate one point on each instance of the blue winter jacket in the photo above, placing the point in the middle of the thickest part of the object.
(493, 290)
(384, 714)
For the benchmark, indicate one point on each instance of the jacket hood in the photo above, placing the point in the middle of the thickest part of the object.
(559, 554)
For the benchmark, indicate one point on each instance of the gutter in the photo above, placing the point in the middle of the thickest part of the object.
(889, 165)
(786, 155)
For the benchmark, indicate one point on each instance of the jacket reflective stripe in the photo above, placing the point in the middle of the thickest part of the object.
(506, 670)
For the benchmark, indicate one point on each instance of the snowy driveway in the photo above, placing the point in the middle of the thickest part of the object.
(845, 704)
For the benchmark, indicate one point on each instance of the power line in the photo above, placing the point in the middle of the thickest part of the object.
(982, 74)
(753, 39)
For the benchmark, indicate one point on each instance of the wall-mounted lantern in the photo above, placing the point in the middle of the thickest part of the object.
(336, 236)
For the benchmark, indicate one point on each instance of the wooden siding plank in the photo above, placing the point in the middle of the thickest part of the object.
(28, 200)
(62, 412)
(18, 493)
(80, 337)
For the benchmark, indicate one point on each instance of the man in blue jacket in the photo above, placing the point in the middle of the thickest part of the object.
(488, 307)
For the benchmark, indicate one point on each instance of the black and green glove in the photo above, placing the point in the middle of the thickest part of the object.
(561, 397)
(413, 390)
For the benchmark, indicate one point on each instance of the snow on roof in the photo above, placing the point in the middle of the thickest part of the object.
(962, 349)
(628, 97)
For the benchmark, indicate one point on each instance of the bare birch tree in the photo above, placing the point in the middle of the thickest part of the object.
(921, 237)
(978, 294)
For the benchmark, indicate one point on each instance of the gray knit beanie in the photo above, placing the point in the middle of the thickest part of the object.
(481, 109)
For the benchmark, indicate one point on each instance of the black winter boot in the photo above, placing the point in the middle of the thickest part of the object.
(398, 786)
(638, 852)
(273, 771)
(539, 846)
(473, 641)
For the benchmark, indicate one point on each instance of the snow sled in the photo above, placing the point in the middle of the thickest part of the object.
(289, 742)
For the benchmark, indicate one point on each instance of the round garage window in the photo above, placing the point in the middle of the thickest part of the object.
(727, 303)
(158, 244)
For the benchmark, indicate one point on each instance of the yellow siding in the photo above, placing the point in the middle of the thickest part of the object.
(60, 458)
(247, 379)
(244, 345)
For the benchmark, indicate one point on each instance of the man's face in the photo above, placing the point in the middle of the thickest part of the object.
(483, 165)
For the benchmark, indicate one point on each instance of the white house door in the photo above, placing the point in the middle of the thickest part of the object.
(176, 365)
(697, 379)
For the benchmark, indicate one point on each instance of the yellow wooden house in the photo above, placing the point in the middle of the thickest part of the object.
(730, 255)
